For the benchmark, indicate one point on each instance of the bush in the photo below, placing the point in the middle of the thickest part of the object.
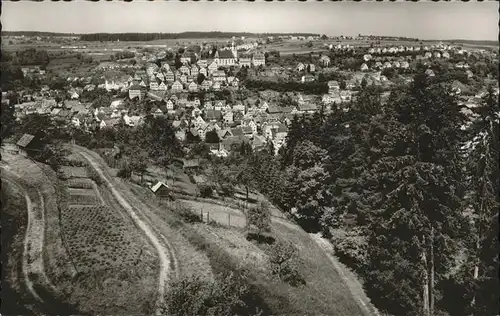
(186, 214)
(352, 251)
(193, 296)
(285, 262)
(206, 190)
(93, 175)
(124, 172)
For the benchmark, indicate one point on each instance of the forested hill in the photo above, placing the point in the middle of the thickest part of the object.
(150, 36)
(157, 36)
(36, 33)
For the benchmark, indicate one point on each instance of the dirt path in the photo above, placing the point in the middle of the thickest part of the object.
(163, 251)
(348, 277)
(33, 239)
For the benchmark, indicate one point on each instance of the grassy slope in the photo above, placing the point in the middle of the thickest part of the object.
(324, 292)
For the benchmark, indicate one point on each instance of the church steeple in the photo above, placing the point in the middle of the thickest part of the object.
(233, 50)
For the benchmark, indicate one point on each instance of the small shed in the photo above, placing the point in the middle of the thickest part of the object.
(160, 189)
(26, 143)
(191, 164)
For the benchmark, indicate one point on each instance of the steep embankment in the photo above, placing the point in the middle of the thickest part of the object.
(25, 175)
(15, 297)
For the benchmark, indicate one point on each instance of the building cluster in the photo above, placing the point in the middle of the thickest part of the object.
(193, 75)
(187, 91)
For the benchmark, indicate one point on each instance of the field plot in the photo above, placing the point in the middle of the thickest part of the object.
(79, 199)
(98, 238)
(80, 183)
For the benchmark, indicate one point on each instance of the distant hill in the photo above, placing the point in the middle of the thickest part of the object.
(478, 42)
(157, 36)
(151, 36)
(35, 33)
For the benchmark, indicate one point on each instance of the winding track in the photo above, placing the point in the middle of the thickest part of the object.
(165, 253)
(32, 261)
(26, 267)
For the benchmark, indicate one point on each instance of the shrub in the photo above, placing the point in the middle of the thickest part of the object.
(352, 251)
(93, 175)
(285, 262)
(206, 190)
(185, 213)
(193, 296)
(124, 172)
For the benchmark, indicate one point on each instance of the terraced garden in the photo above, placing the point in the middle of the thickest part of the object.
(97, 235)
(114, 266)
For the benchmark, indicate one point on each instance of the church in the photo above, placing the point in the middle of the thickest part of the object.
(226, 57)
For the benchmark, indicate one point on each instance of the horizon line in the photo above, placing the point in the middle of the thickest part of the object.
(256, 33)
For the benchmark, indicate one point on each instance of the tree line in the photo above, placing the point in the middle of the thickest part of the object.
(185, 35)
(308, 87)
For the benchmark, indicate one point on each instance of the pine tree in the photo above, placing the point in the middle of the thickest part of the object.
(485, 177)
(416, 195)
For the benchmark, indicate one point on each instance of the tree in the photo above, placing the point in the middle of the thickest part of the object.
(342, 84)
(156, 135)
(200, 150)
(390, 73)
(212, 137)
(364, 83)
(415, 193)
(285, 262)
(485, 192)
(8, 121)
(102, 100)
(194, 297)
(412, 234)
(200, 78)
(259, 218)
(138, 163)
(312, 196)
(307, 155)
(245, 175)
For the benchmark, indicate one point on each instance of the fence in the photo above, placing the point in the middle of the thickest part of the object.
(222, 218)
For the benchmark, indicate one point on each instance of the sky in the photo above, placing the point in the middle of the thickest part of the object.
(424, 20)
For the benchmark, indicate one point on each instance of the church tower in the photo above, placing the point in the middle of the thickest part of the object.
(234, 51)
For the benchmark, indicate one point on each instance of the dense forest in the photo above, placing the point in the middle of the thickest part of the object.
(423, 190)
(159, 36)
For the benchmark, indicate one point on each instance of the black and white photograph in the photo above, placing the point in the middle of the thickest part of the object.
(250, 158)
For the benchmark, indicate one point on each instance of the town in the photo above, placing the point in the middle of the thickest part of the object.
(223, 90)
